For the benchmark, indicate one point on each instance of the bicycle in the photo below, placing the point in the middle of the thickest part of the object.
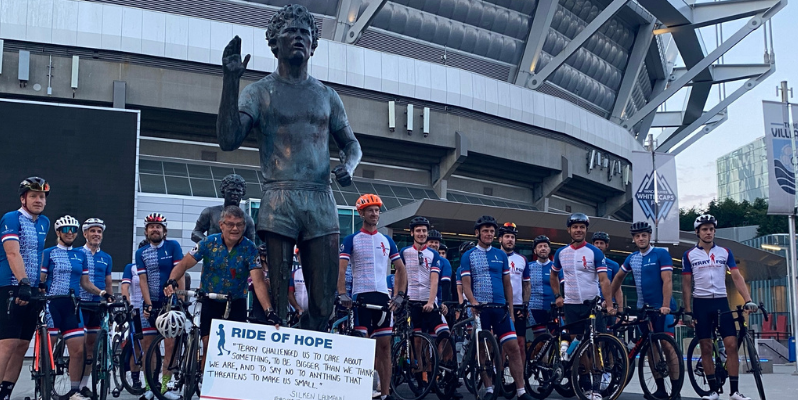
(650, 347)
(606, 363)
(695, 369)
(448, 377)
(128, 353)
(414, 356)
(103, 364)
(185, 361)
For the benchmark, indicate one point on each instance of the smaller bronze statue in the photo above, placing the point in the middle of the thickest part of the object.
(233, 188)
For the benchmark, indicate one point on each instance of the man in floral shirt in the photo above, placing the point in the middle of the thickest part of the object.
(228, 259)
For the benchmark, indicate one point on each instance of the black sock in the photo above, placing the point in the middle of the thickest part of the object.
(734, 382)
(713, 384)
(135, 377)
(5, 390)
(673, 384)
(660, 383)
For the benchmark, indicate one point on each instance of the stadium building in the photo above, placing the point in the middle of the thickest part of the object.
(523, 109)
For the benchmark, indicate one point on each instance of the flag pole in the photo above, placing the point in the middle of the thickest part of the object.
(792, 275)
(652, 144)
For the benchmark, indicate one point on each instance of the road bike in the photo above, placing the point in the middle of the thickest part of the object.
(104, 363)
(128, 353)
(414, 357)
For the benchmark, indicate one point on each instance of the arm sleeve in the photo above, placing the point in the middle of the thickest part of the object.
(200, 250)
(465, 265)
(141, 269)
(665, 262)
(110, 268)
(600, 262)
(627, 264)
(346, 247)
(127, 275)
(457, 278)
(446, 270)
(436, 264)
(687, 269)
(506, 267)
(555, 265)
(402, 255)
(10, 227)
(730, 263)
(338, 118)
(253, 258)
(249, 102)
(393, 250)
(45, 269)
(85, 264)
(177, 253)
(525, 276)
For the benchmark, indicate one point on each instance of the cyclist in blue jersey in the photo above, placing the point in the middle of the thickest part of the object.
(369, 253)
(434, 241)
(486, 280)
(100, 266)
(704, 269)
(22, 233)
(154, 263)
(601, 240)
(520, 281)
(464, 247)
(541, 295)
(652, 269)
(66, 271)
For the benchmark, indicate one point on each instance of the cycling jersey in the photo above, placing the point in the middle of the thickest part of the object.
(420, 264)
(612, 270)
(369, 254)
(541, 294)
(486, 267)
(130, 277)
(458, 277)
(445, 276)
(64, 267)
(519, 273)
(157, 262)
(297, 285)
(581, 266)
(708, 270)
(19, 225)
(100, 265)
(647, 269)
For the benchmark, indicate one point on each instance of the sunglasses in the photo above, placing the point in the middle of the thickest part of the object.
(509, 225)
(38, 186)
(68, 229)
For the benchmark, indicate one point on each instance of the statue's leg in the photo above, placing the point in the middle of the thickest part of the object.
(281, 259)
(320, 269)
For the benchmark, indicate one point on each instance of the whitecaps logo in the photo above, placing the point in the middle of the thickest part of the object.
(647, 200)
(782, 154)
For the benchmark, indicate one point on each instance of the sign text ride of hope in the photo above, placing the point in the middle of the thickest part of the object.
(258, 362)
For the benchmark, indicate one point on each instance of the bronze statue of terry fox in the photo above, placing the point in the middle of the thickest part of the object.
(295, 116)
(233, 187)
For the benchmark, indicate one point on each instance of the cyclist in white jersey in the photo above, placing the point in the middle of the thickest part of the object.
(370, 253)
(519, 278)
(704, 270)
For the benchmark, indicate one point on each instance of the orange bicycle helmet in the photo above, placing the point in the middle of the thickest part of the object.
(367, 200)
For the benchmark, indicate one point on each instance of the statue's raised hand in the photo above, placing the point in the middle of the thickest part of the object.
(231, 59)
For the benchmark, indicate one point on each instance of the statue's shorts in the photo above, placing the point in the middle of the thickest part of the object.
(299, 210)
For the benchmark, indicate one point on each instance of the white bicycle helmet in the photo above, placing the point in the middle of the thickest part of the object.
(171, 324)
(705, 219)
(92, 222)
(66, 220)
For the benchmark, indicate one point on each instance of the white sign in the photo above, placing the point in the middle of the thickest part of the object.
(655, 198)
(778, 141)
(259, 362)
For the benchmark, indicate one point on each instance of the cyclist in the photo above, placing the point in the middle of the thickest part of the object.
(601, 240)
(486, 280)
(704, 270)
(66, 269)
(369, 253)
(464, 247)
(652, 269)
(520, 281)
(100, 266)
(434, 239)
(22, 233)
(297, 291)
(154, 262)
(541, 295)
(584, 272)
(227, 259)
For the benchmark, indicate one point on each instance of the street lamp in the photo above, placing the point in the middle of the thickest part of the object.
(790, 295)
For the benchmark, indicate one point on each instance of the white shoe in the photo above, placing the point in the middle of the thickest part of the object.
(170, 394)
(375, 394)
(738, 396)
(148, 395)
(605, 380)
(78, 396)
(712, 396)
(593, 396)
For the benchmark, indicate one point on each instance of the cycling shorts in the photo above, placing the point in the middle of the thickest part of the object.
(91, 316)
(576, 312)
(705, 314)
(214, 309)
(538, 320)
(520, 320)
(431, 322)
(62, 310)
(20, 322)
(499, 322)
(373, 323)
(663, 324)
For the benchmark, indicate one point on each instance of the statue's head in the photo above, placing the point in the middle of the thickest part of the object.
(233, 188)
(292, 34)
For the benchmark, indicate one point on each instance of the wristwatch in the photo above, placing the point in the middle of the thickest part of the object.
(557, 296)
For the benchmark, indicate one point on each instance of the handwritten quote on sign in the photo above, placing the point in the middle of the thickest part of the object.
(247, 361)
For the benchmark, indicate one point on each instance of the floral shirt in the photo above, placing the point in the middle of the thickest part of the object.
(222, 271)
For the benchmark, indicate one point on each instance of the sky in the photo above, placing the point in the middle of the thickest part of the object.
(696, 166)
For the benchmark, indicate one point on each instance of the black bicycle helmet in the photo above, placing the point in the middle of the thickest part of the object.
(601, 236)
(508, 227)
(434, 235)
(578, 218)
(705, 219)
(486, 220)
(541, 239)
(35, 184)
(418, 221)
(640, 226)
(443, 247)
(465, 246)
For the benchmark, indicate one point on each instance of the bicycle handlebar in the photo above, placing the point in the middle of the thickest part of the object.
(198, 294)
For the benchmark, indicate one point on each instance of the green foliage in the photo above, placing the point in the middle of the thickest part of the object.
(730, 213)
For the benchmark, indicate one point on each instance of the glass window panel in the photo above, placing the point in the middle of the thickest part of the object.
(383, 190)
(364, 187)
(221, 172)
(199, 171)
(175, 169)
(175, 185)
(460, 198)
(349, 189)
(203, 187)
(253, 190)
(431, 194)
(489, 202)
(358, 222)
(351, 198)
(334, 185)
(218, 184)
(450, 197)
(405, 201)
(390, 202)
(249, 175)
(474, 200)
(345, 224)
(152, 183)
(401, 191)
(339, 199)
(501, 203)
(151, 167)
(418, 193)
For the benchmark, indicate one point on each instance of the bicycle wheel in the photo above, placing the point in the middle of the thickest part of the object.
(484, 366)
(132, 362)
(44, 380)
(116, 362)
(695, 370)
(415, 363)
(540, 371)
(99, 367)
(658, 362)
(447, 379)
(151, 373)
(508, 383)
(191, 374)
(61, 383)
(599, 367)
(756, 366)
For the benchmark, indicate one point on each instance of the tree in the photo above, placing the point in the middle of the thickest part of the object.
(730, 213)
(687, 217)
